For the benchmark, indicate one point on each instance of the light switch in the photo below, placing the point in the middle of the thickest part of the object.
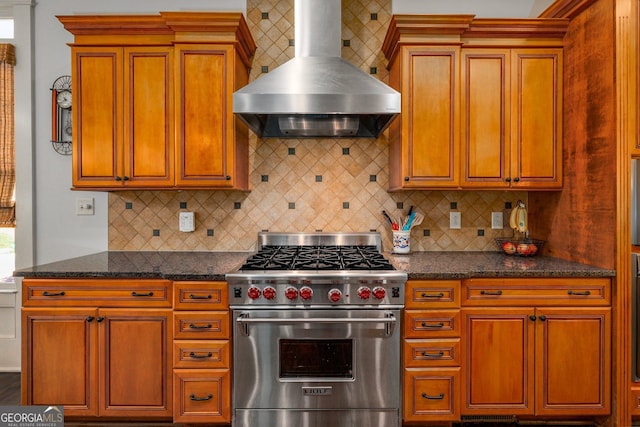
(187, 222)
(84, 206)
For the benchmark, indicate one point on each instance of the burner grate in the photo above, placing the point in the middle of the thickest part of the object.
(317, 258)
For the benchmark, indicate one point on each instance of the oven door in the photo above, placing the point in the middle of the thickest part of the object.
(316, 368)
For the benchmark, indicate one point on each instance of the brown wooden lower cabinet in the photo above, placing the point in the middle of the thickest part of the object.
(536, 360)
(202, 353)
(98, 362)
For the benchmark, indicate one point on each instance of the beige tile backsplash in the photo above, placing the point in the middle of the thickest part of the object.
(308, 184)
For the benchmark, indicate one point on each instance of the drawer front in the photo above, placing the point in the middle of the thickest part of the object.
(432, 294)
(431, 394)
(202, 396)
(194, 325)
(428, 353)
(200, 296)
(536, 291)
(201, 354)
(432, 323)
(96, 292)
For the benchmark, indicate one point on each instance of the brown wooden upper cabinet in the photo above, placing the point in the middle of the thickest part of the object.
(152, 100)
(481, 102)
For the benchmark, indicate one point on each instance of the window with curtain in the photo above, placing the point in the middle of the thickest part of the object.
(7, 137)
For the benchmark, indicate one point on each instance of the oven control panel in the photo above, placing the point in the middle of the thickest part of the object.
(293, 293)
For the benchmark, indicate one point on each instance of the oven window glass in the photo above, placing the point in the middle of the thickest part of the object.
(316, 358)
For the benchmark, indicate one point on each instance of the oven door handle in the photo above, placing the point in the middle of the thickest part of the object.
(243, 321)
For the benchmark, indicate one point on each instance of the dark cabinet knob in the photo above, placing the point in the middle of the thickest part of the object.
(533, 318)
(406, 179)
(228, 178)
(516, 179)
(508, 179)
(126, 178)
(118, 178)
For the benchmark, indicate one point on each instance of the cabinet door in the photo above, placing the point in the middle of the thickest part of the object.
(485, 117)
(60, 359)
(135, 374)
(573, 361)
(204, 88)
(148, 117)
(97, 116)
(536, 122)
(428, 154)
(498, 363)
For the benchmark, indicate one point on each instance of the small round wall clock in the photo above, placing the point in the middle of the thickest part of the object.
(61, 130)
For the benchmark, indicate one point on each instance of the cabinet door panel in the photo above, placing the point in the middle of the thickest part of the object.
(136, 374)
(498, 375)
(431, 146)
(485, 115)
(148, 119)
(205, 126)
(97, 116)
(537, 123)
(573, 361)
(59, 359)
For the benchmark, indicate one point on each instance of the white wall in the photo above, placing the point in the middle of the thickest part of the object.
(480, 8)
(57, 233)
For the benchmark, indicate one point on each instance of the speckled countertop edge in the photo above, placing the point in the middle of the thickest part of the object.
(214, 265)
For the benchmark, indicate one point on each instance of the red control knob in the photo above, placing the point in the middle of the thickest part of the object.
(291, 293)
(306, 293)
(253, 292)
(269, 292)
(335, 295)
(364, 292)
(379, 292)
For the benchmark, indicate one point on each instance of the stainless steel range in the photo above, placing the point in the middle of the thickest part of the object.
(317, 332)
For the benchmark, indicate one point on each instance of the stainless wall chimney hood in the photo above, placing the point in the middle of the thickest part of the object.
(317, 93)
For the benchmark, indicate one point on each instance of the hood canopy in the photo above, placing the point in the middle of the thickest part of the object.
(317, 93)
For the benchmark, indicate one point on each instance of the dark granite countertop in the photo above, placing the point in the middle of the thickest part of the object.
(133, 264)
(214, 266)
(459, 265)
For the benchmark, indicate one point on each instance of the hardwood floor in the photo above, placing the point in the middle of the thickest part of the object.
(9, 388)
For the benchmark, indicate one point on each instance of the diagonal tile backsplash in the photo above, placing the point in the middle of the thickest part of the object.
(309, 184)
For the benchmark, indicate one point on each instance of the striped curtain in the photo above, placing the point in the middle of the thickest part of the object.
(7, 137)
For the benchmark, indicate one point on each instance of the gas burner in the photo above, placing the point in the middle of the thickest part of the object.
(317, 270)
(317, 258)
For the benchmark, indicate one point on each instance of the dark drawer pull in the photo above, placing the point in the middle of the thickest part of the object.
(585, 293)
(53, 294)
(439, 295)
(433, 355)
(200, 356)
(490, 292)
(433, 325)
(438, 397)
(199, 399)
(207, 326)
(192, 296)
(135, 294)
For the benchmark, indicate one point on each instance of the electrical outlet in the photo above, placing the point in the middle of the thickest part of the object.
(84, 206)
(496, 220)
(455, 220)
(187, 222)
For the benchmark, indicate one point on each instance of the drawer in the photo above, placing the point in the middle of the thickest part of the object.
(201, 354)
(431, 394)
(200, 296)
(201, 396)
(428, 353)
(536, 292)
(432, 294)
(431, 324)
(194, 325)
(96, 293)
